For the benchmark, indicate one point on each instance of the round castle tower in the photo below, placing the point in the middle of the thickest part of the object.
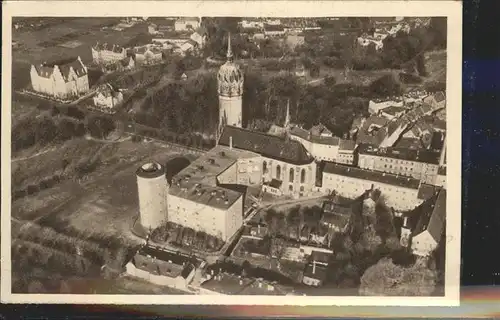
(230, 90)
(152, 188)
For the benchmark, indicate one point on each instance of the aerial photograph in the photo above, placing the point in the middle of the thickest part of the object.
(229, 156)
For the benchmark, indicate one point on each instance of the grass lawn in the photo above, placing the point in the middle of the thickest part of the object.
(106, 203)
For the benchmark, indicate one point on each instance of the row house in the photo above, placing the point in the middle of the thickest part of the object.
(419, 164)
(62, 79)
(400, 193)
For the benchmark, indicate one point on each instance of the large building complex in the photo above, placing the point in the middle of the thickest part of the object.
(60, 79)
(209, 195)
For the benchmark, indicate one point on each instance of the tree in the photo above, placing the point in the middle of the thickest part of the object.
(387, 279)
(99, 126)
(385, 86)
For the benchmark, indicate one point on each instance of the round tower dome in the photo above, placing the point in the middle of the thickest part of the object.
(230, 76)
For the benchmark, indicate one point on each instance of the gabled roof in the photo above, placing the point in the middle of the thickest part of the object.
(306, 135)
(433, 217)
(46, 69)
(268, 146)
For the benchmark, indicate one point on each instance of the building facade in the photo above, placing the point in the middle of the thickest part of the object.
(418, 164)
(108, 54)
(400, 193)
(215, 211)
(107, 97)
(62, 80)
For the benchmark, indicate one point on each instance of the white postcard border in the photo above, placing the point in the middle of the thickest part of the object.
(450, 9)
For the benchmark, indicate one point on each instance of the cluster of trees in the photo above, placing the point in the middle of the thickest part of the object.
(42, 131)
(31, 189)
(185, 236)
(390, 279)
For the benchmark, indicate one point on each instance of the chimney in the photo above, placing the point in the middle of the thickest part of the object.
(405, 221)
(231, 143)
(314, 267)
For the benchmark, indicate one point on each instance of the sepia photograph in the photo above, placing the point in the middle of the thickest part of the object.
(208, 153)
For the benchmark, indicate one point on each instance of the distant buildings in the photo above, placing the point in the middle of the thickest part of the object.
(419, 164)
(107, 53)
(185, 23)
(61, 79)
(148, 55)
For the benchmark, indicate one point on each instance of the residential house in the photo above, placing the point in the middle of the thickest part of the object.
(336, 215)
(274, 30)
(426, 235)
(375, 106)
(392, 112)
(148, 55)
(107, 97)
(162, 267)
(126, 64)
(61, 79)
(314, 274)
(104, 54)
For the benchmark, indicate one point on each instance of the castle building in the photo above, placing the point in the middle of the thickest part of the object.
(230, 90)
(62, 79)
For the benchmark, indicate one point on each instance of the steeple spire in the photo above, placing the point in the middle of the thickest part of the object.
(229, 54)
(287, 116)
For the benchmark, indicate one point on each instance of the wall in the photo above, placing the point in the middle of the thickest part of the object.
(400, 198)
(152, 201)
(426, 172)
(295, 187)
(232, 107)
(205, 218)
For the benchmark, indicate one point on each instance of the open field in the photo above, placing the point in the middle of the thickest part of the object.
(105, 203)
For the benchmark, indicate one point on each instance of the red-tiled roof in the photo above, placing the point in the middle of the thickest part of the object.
(266, 145)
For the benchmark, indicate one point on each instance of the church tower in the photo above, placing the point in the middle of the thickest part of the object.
(230, 90)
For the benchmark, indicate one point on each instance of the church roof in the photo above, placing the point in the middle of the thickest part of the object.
(268, 146)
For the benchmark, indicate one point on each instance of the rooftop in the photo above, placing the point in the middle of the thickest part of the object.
(393, 110)
(321, 257)
(267, 145)
(307, 135)
(319, 272)
(375, 176)
(426, 191)
(150, 170)
(433, 216)
(419, 155)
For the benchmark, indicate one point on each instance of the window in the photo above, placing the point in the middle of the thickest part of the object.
(278, 172)
(264, 167)
(290, 178)
(303, 176)
(290, 187)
